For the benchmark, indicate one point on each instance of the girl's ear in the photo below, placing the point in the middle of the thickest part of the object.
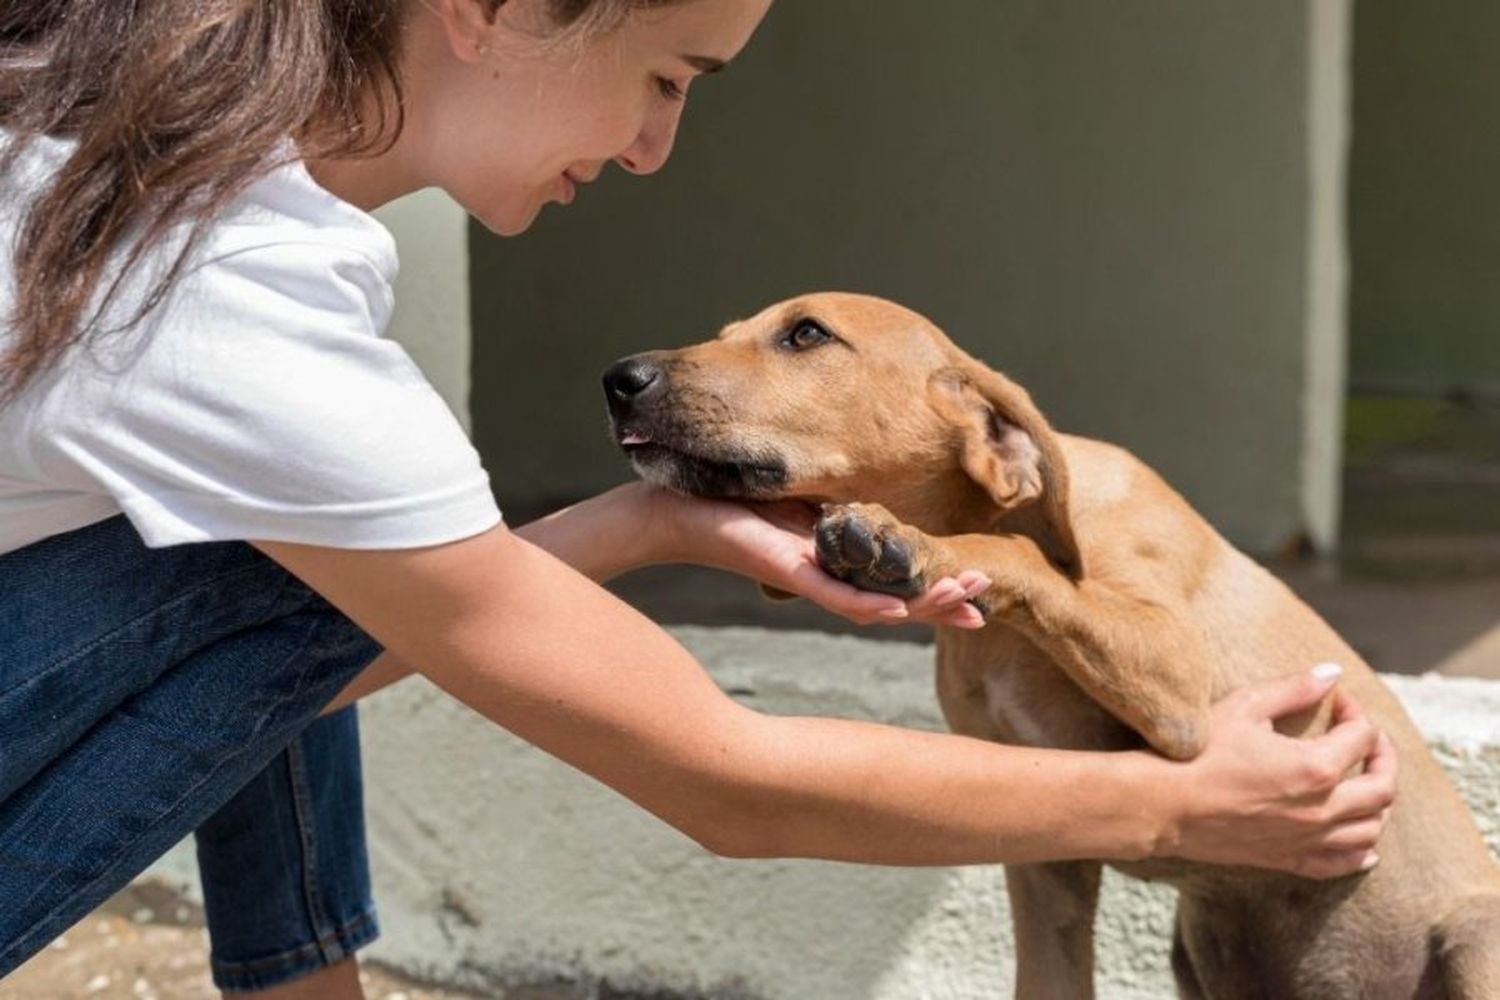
(1007, 447)
(468, 26)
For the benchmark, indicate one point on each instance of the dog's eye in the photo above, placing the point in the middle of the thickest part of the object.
(805, 334)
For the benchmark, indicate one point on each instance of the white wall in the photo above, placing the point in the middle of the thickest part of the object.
(1325, 323)
(432, 318)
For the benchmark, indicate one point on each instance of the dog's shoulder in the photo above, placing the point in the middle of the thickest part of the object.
(1130, 521)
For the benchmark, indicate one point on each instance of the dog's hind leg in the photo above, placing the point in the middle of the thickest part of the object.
(1468, 949)
(1052, 908)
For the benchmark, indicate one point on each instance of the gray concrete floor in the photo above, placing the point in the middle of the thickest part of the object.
(1417, 584)
(149, 943)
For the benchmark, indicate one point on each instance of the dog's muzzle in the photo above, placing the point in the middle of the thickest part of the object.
(666, 447)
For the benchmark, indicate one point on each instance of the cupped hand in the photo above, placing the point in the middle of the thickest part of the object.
(773, 544)
(1314, 807)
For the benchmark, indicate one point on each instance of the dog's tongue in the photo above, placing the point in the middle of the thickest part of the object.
(634, 437)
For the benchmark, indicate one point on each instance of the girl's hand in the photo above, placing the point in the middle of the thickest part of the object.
(773, 544)
(1314, 807)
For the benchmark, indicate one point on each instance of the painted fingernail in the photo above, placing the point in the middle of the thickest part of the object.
(1326, 672)
(1371, 860)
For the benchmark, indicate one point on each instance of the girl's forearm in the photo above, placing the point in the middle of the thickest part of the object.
(600, 537)
(517, 635)
(858, 791)
(570, 669)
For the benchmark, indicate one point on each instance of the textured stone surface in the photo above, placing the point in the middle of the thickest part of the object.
(497, 866)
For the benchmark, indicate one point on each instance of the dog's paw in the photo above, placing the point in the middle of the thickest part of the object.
(864, 545)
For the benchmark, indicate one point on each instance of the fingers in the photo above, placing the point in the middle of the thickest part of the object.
(1335, 864)
(1272, 699)
(863, 607)
(952, 590)
(946, 591)
(1360, 798)
(1382, 763)
(1360, 836)
(1345, 708)
(946, 601)
(796, 516)
(1357, 809)
(974, 582)
(1329, 757)
(963, 616)
(1371, 793)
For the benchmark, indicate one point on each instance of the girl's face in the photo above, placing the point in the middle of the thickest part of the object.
(506, 119)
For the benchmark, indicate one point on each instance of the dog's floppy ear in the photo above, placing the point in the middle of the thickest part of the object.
(1010, 450)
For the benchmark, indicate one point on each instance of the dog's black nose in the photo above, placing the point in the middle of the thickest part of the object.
(627, 380)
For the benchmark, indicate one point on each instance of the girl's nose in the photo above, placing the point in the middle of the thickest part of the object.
(653, 144)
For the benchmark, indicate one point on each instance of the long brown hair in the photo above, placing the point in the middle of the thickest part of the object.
(176, 107)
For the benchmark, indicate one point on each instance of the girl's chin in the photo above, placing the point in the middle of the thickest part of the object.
(511, 221)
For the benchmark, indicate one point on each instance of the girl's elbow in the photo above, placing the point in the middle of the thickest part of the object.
(738, 811)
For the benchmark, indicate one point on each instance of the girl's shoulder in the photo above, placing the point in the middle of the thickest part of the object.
(287, 206)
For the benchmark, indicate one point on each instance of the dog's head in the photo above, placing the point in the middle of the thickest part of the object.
(837, 397)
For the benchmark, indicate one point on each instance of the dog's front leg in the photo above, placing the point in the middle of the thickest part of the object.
(1052, 908)
(1128, 649)
(1469, 949)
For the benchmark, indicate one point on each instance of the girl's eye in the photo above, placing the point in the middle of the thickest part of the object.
(670, 89)
(805, 334)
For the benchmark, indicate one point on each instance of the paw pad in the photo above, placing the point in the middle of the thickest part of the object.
(861, 550)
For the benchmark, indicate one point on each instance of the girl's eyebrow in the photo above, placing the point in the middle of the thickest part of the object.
(704, 64)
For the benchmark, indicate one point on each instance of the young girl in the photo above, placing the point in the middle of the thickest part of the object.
(224, 497)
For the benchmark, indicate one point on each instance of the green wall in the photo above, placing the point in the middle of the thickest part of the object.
(1424, 213)
(1109, 200)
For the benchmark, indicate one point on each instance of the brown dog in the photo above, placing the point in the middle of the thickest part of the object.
(1116, 615)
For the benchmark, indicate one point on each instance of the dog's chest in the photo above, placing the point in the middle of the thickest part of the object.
(1007, 706)
(997, 685)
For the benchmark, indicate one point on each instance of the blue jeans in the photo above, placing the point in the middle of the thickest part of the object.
(148, 693)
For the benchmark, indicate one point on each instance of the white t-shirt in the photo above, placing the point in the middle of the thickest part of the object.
(260, 400)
